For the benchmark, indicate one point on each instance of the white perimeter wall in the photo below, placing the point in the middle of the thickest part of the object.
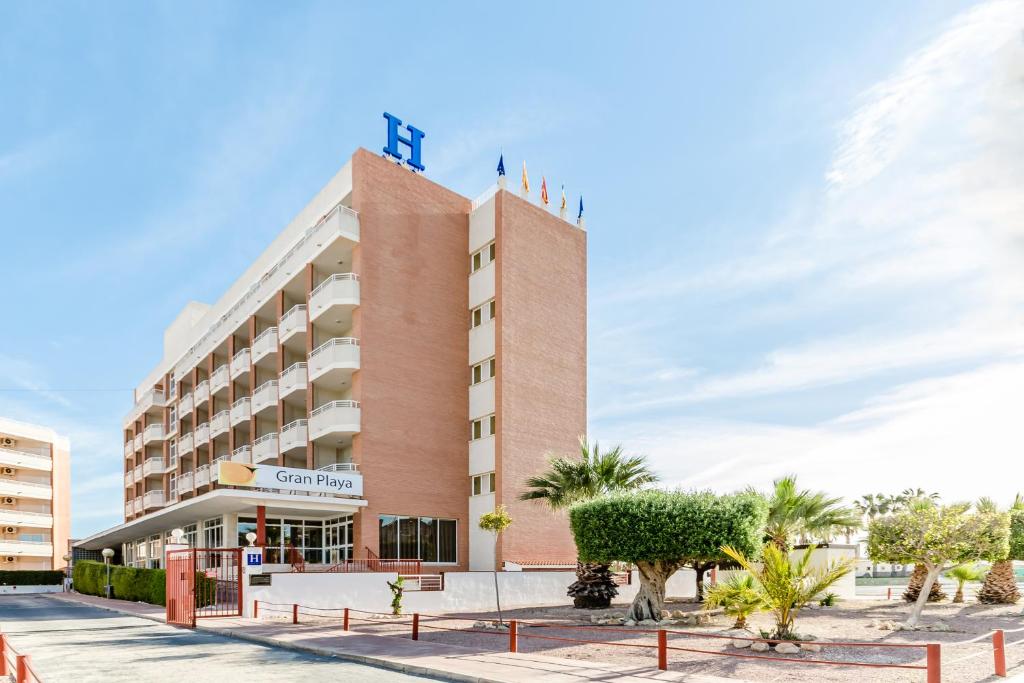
(464, 591)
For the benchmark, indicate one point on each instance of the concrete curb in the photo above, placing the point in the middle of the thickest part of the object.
(319, 651)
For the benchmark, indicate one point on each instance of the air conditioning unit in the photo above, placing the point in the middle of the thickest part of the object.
(10, 559)
(8, 442)
(10, 529)
(8, 500)
(8, 471)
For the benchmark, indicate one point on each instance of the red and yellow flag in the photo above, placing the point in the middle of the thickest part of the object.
(526, 180)
(544, 190)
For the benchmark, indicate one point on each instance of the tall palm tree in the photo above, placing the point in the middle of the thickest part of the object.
(873, 505)
(589, 475)
(1000, 586)
(805, 515)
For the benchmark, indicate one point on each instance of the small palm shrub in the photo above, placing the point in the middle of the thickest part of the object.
(739, 597)
(829, 600)
(963, 574)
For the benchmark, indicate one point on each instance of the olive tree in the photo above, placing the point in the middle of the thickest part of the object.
(661, 532)
(938, 537)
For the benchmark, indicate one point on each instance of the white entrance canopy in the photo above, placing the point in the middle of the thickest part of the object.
(220, 502)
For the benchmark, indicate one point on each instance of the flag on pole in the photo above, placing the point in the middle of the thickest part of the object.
(544, 190)
(563, 205)
(501, 165)
(526, 181)
(579, 217)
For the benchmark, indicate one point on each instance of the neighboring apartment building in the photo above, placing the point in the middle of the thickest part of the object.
(35, 496)
(428, 349)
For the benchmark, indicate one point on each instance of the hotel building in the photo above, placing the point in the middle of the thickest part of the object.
(35, 497)
(396, 333)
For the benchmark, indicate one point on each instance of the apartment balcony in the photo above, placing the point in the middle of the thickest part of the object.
(138, 442)
(153, 499)
(242, 454)
(129, 478)
(215, 466)
(202, 476)
(20, 518)
(332, 302)
(219, 380)
(294, 436)
(264, 345)
(137, 507)
(25, 489)
(334, 361)
(185, 404)
(154, 398)
(129, 448)
(25, 461)
(137, 473)
(293, 380)
(241, 411)
(185, 483)
(265, 397)
(202, 434)
(293, 322)
(152, 467)
(265, 448)
(129, 509)
(202, 392)
(186, 444)
(26, 548)
(240, 363)
(154, 432)
(220, 423)
(334, 422)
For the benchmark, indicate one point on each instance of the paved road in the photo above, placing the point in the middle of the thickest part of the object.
(75, 642)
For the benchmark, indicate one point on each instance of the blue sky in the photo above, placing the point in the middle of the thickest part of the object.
(805, 219)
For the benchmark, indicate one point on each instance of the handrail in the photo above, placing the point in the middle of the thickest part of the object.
(336, 277)
(40, 515)
(240, 402)
(335, 341)
(239, 354)
(339, 467)
(30, 484)
(22, 663)
(334, 404)
(222, 368)
(265, 333)
(294, 367)
(16, 452)
(220, 413)
(265, 438)
(202, 384)
(294, 424)
(294, 310)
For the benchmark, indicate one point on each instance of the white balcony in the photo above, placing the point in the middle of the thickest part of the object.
(138, 442)
(334, 422)
(154, 432)
(137, 473)
(153, 499)
(26, 548)
(292, 380)
(24, 489)
(292, 323)
(240, 363)
(215, 466)
(185, 483)
(152, 466)
(154, 398)
(219, 380)
(334, 361)
(242, 454)
(294, 436)
(202, 476)
(137, 505)
(129, 448)
(129, 509)
(185, 444)
(37, 520)
(25, 461)
(129, 478)
(264, 344)
(241, 410)
(203, 434)
(220, 423)
(185, 404)
(481, 342)
(265, 448)
(333, 300)
(265, 397)
(202, 393)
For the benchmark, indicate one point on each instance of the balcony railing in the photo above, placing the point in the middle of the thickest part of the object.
(25, 489)
(186, 444)
(219, 379)
(242, 454)
(185, 483)
(185, 404)
(129, 478)
(203, 434)
(129, 448)
(241, 410)
(152, 466)
(265, 397)
(336, 419)
(292, 379)
(220, 423)
(293, 322)
(294, 435)
(23, 460)
(202, 476)
(137, 505)
(215, 466)
(152, 398)
(334, 360)
(24, 518)
(240, 363)
(265, 448)
(153, 499)
(138, 442)
(340, 289)
(129, 509)
(202, 392)
(264, 344)
(137, 473)
(154, 432)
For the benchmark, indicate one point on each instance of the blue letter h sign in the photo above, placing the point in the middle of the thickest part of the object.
(412, 142)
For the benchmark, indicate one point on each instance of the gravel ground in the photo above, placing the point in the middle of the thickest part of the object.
(852, 621)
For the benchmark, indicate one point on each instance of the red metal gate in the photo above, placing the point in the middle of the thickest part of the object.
(203, 582)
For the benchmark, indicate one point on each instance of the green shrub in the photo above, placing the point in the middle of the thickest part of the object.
(30, 577)
(136, 584)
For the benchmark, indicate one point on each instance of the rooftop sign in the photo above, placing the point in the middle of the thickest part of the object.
(412, 142)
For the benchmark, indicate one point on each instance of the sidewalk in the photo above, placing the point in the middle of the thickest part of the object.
(410, 656)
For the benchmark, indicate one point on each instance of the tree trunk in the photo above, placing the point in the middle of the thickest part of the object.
(922, 598)
(959, 596)
(701, 570)
(1000, 587)
(650, 599)
(917, 581)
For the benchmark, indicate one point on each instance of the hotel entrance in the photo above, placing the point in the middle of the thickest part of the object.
(316, 541)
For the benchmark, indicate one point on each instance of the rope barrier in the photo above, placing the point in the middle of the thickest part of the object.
(799, 661)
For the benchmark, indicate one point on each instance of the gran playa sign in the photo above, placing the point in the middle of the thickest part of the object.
(289, 479)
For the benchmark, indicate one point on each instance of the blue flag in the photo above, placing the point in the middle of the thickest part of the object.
(581, 208)
(501, 165)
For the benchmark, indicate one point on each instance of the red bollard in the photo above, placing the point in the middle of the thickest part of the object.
(999, 652)
(295, 614)
(889, 594)
(934, 663)
(344, 623)
(513, 636)
(416, 626)
(255, 609)
(22, 665)
(3, 655)
(663, 650)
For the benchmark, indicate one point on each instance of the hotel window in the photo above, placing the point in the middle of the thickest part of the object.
(483, 371)
(481, 258)
(191, 535)
(481, 314)
(213, 533)
(417, 538)
(482, 484)
(483, 427)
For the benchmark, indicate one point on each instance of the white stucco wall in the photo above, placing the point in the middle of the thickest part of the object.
(481, 543)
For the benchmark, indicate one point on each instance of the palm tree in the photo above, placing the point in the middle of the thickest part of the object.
(873, 505)
(739, 597)
(806, 515)
(589, 475)
(909, 496)
(962, 574)
(1000, 587)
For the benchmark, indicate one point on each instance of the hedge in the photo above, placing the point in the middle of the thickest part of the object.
(30, 577)
(136, 584)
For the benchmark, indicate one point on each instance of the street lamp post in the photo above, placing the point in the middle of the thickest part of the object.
(67, 573)
(107, 554)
